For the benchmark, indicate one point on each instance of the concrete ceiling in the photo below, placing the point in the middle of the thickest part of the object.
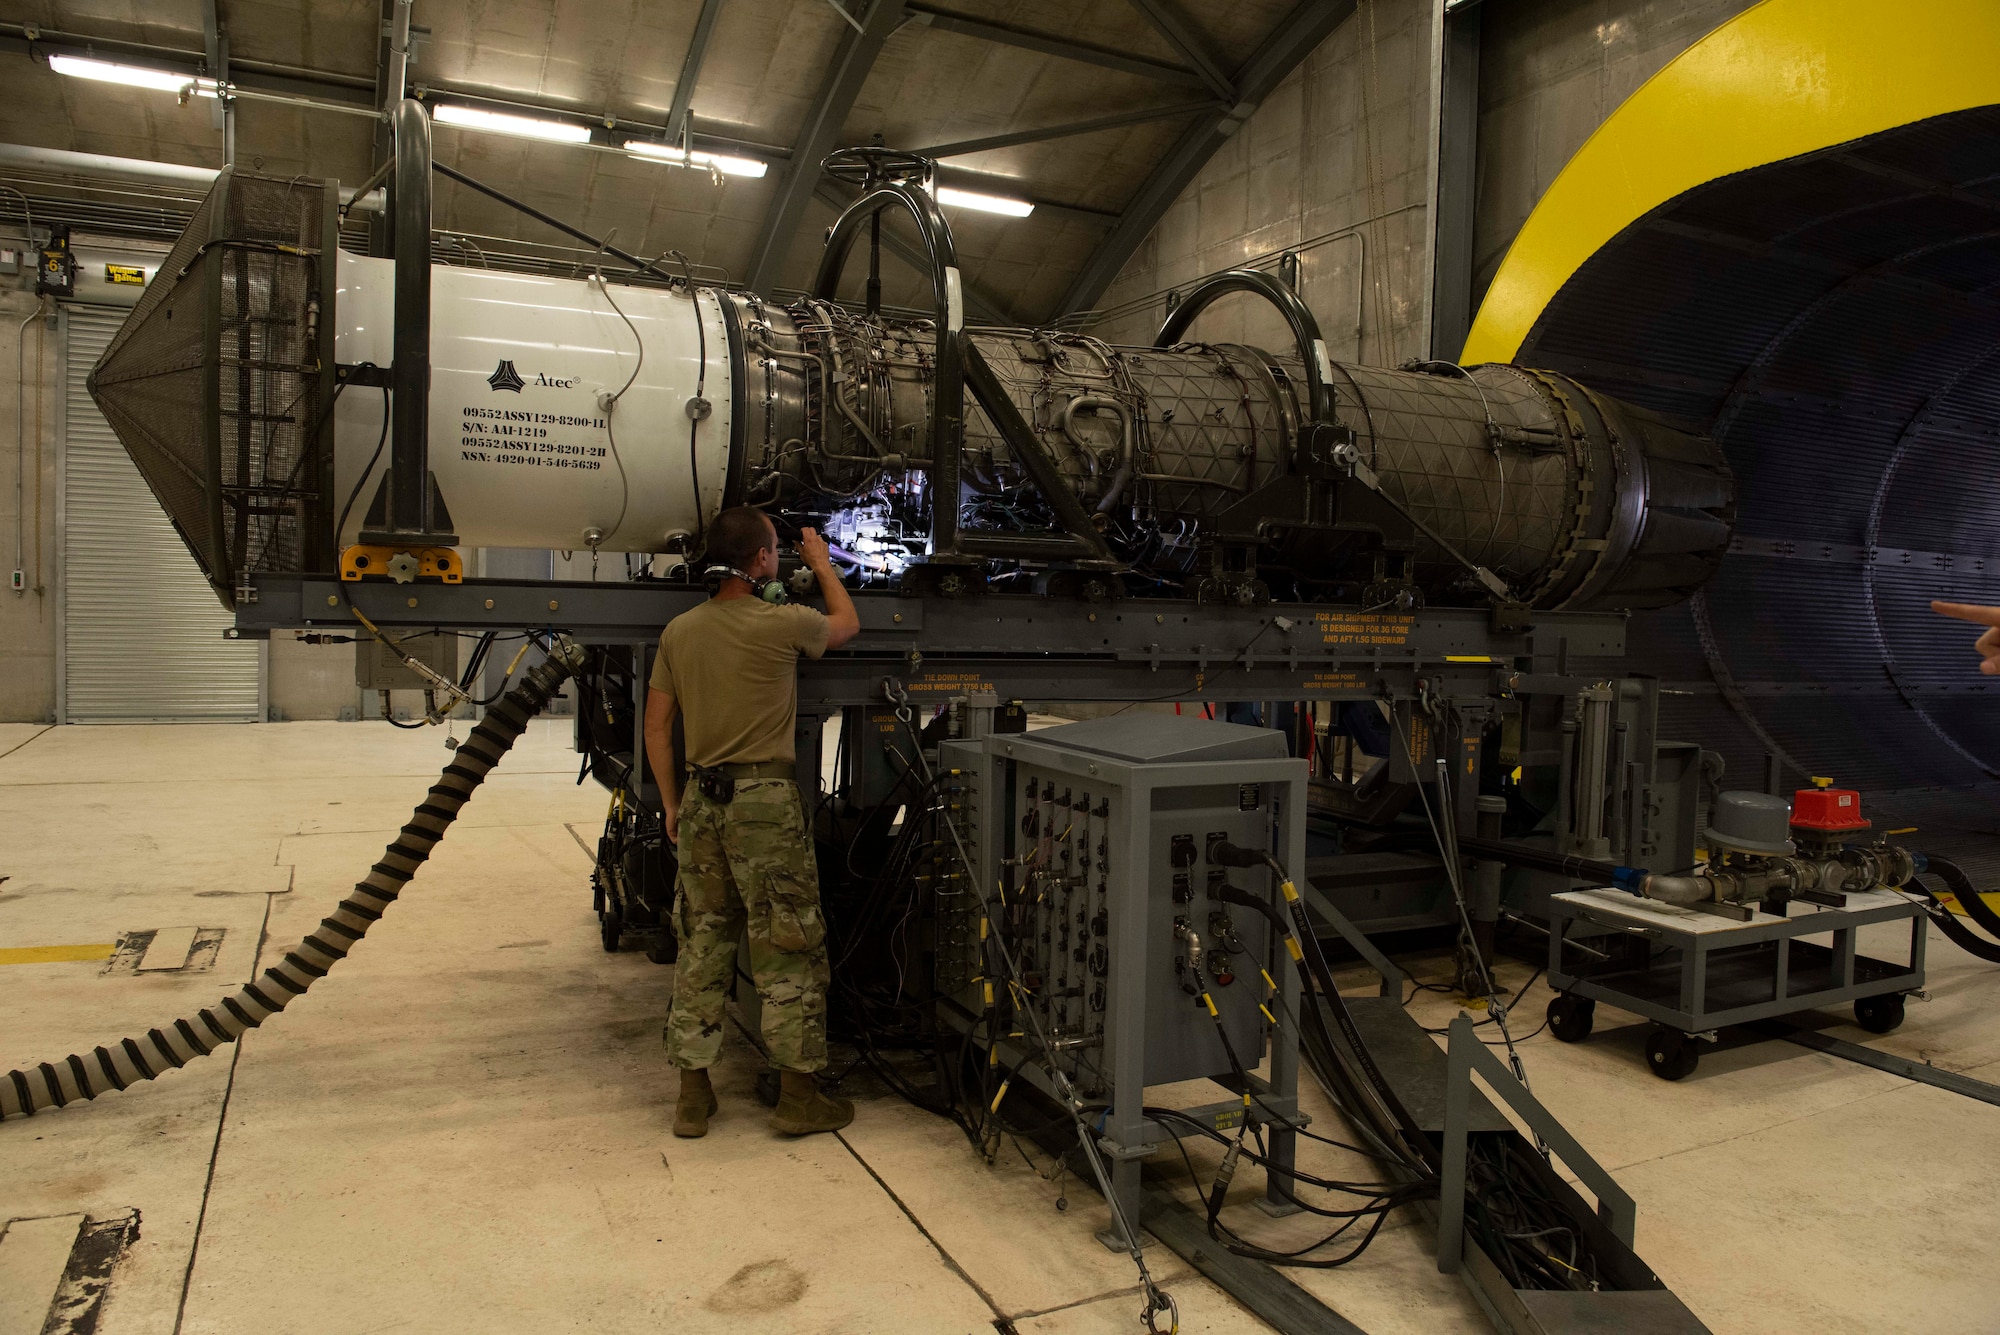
(764, 67)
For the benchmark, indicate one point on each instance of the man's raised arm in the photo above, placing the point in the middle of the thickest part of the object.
(844, 623)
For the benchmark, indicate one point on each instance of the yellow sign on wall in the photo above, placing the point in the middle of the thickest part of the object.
(125, 273)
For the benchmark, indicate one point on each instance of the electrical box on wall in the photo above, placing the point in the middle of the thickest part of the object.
(56, 276)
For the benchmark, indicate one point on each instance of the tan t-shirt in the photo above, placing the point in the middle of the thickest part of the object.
(733, 666)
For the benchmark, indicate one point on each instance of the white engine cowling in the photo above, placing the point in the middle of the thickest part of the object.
(526, 444)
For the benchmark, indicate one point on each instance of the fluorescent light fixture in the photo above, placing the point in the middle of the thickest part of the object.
(499, 122)
(668, 153)
(134, 76)
(971, 199)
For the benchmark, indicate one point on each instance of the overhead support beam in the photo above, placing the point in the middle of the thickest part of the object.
(396, 71)
(325, 90)
(983, 307)
(967, 146)
(819, 136)
(215, 45)
(381, 228)
(1457, 182)
(704, 28)
(1053, 44)
(1166, 21)
(94, 166)
(98, 166)
(1295, 38)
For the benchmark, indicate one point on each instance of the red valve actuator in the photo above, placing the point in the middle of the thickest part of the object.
(1829, 809)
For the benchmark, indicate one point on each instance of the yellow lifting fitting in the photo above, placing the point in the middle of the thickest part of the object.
(363, 561)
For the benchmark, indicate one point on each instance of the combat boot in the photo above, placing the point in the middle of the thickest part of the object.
(697, 1104)
(803, 1109)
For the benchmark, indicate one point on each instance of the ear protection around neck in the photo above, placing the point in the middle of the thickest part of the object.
(771, 591)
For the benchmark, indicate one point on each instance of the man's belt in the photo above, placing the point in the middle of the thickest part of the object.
(763, 769)
(718, 782)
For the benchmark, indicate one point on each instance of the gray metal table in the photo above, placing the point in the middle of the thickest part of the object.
(1704, 971)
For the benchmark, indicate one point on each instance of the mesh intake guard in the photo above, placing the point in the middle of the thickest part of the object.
(220, 380)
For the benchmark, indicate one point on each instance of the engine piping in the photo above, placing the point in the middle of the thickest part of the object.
(1115, 487)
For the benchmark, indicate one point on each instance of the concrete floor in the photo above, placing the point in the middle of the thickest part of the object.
(465, 1127)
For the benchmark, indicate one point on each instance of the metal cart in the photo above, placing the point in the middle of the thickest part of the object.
(1700, 972)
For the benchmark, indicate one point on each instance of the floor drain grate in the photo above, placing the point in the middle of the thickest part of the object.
(181, 950)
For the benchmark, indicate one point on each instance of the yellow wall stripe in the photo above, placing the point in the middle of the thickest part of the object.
(1783, 78)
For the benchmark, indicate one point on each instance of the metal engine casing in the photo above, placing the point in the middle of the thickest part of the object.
(1580, 501)
(576, 414)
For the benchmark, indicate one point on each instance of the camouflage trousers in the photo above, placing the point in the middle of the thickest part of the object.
(747, 869)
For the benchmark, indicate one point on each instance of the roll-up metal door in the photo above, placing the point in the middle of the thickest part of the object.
(141, 630)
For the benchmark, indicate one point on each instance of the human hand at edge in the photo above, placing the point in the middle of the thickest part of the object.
(812, 550)
(1988, 644)
(671, 812)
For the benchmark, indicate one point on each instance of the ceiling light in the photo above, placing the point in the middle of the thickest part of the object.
(668, 153)
(528, 127)
(968, 199)
(135, 76)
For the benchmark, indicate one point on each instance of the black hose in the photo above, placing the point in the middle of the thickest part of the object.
(1250, 899)
(1954, 931)
(1968, 898)
(85, 1076)
(1315, 970)
(1530, 857)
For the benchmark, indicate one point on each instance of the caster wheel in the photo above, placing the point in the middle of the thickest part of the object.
(1570, 1018)
(1671, 1055)
(1879, 1015)
(666, 947)
(611, 925)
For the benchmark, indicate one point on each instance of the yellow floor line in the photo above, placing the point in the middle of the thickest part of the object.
(1950, 901)
(103, 950)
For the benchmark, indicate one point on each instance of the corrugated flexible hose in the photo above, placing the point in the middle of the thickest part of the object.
(1975, 908)
(116, 1066)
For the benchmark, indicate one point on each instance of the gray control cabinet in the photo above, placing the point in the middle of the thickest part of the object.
(1091, 842)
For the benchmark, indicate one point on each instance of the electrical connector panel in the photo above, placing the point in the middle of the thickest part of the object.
(1093, 843)
(379, 667)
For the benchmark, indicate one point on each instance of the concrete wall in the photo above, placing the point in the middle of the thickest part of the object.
(1550, 71)
(1335, 163)
(27, 619)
